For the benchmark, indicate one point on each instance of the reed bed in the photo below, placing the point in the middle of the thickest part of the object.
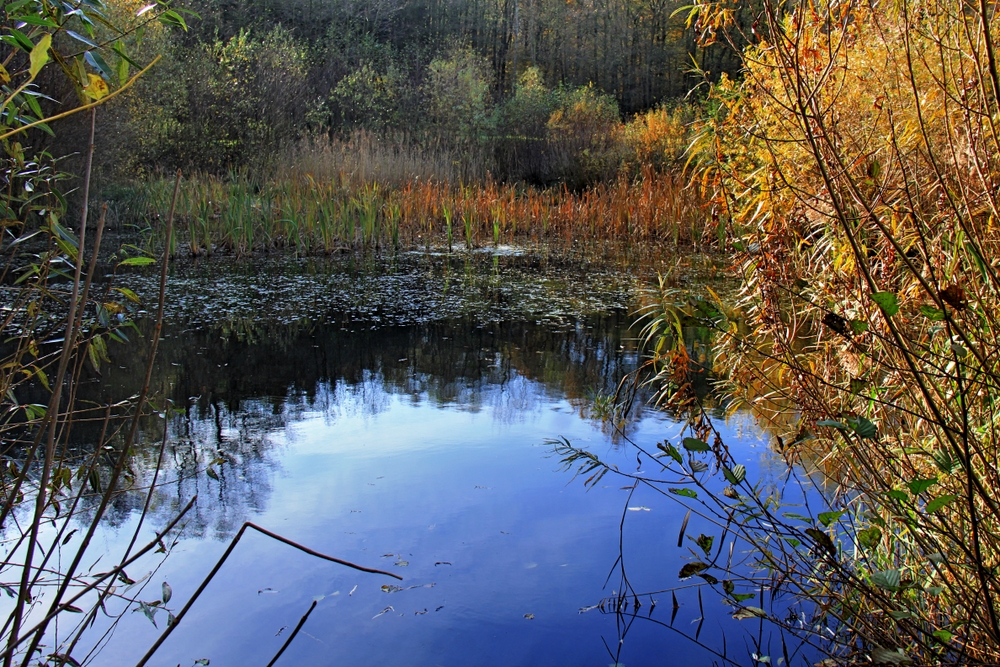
(305, 214)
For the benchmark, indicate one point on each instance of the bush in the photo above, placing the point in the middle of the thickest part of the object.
(857, 164)
(584, 137)
(457, 90)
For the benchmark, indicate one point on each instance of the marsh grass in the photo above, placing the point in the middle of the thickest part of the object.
(242, 214)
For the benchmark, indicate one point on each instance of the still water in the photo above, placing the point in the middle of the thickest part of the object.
(397, 413)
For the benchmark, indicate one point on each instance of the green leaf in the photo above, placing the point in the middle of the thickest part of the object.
(171, 18)
(900, 615)
(932, 313)
(736, 475)
(740, 597)
(945, 462)
(862, 426)
(39, 55)
(859, 326)
(671, 451)
(832, 423)
(887, 301)
(210, 471)
(705, 543)
(869, 537)
(97, 61)
(939, 502)
(691, 569)
(918, 486)
(943, 636)
(127, 293)
(695, 445)
(80, 38)
(898, 495)
(687, 493)
(826, 518)
(149, 611)
(138, 261)
(887, 656)
(887, 579)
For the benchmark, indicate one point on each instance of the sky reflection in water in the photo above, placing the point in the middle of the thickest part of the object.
(417, 448)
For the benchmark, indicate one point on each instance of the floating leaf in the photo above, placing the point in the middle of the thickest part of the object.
(401, 563)
(641, 508)
(695, 445)
(203, 661)
(887, 301)
(390, 588)
(749, 612)
(687, 493)
(704, 542)
(529, 616)
(691, 569)
(210, 471)
(167, 592)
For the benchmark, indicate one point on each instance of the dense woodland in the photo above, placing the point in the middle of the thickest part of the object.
(248, 79)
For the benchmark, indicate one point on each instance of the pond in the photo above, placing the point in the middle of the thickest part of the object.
(398, 413)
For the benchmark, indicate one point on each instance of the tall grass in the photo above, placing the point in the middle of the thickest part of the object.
(241, 214)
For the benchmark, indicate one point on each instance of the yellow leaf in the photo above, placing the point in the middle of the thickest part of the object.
(4, 75)
(39, 55)
(97, 88)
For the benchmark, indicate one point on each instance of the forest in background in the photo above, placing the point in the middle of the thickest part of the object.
(525, 90)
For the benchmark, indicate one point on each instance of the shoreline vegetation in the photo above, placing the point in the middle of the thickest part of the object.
(370, 192)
